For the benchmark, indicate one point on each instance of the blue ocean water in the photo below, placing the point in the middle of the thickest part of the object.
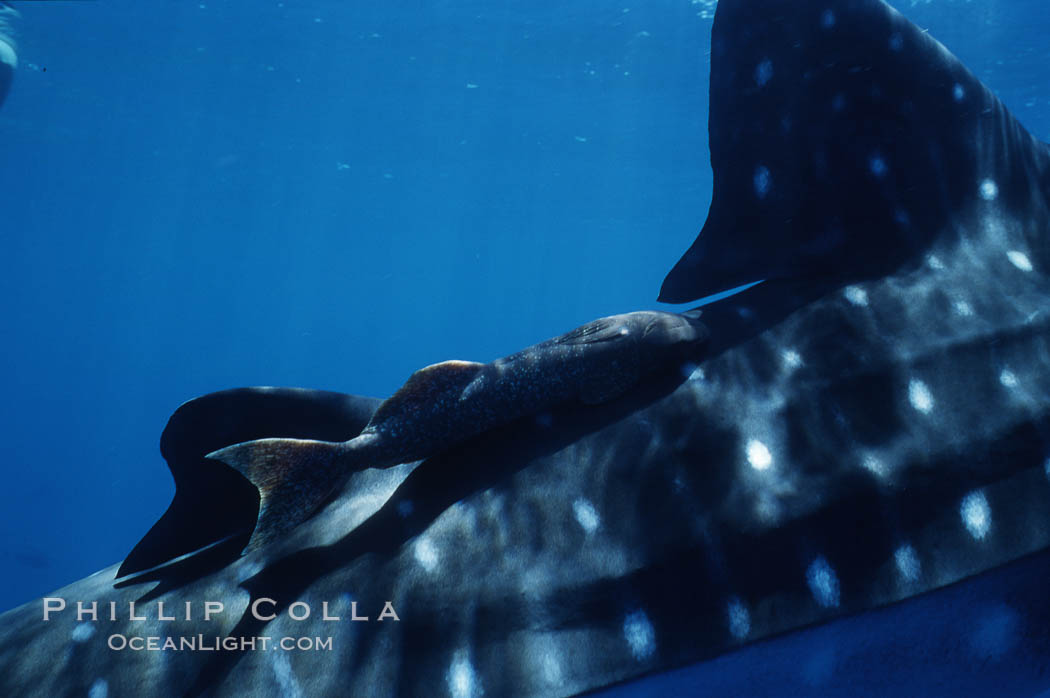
(204, 195)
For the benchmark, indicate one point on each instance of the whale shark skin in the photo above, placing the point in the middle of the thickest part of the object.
(869, 424)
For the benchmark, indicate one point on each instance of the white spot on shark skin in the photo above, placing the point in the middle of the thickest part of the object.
(907, 563)
(763, 72)
(963, 308)
(763, 181)
(823, 583)
(640, 636)
(758, 455)
(976, 514)
(920, 396)
(958, 92)
(543, 651)
(791, 358)
(827, 19)
(896, 41)
(462, 679)
(83, 632)
(935, 262)
(878, 166)
(99, 689)
(282, 670)
(874, 465)
(1008, 378)
(856, 295)
(989, 190)
(586, 516)
(426, 554)
(1019, 260)
(739, 619)
(550, 666)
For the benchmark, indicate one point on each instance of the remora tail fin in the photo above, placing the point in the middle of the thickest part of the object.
(293, 476)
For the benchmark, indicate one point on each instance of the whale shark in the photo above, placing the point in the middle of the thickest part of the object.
(857, 460)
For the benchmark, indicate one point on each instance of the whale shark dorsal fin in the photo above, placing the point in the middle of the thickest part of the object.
(425, 384)
(845, 142)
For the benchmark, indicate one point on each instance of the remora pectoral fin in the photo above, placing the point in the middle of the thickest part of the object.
(600, 330)
(293, 476)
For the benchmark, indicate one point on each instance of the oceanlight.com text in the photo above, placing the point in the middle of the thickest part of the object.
(214, 643)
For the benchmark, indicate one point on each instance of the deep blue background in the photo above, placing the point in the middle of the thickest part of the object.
(202, 195)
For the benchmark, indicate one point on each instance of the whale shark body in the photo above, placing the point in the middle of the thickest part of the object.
(866, 425)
